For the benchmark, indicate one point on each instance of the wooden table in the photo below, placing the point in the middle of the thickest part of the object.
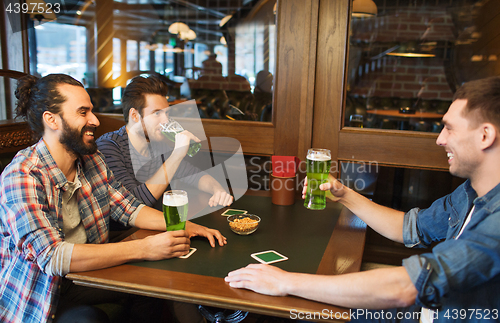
(177, 101)
(403, 118)
(337, 248)
(397, 114)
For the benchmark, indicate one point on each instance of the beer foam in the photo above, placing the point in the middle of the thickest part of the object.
(318, 157)
(175, 200)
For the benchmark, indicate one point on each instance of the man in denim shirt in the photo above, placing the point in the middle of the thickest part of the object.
(458, 280)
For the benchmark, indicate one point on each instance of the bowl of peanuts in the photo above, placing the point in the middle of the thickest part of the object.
(243, 224)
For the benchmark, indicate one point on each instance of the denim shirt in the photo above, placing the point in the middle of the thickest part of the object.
(459, 277)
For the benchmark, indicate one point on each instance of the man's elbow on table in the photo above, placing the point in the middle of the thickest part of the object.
(404, 297)
(399, 293)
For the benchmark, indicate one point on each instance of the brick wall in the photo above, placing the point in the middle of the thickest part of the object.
(404, 77)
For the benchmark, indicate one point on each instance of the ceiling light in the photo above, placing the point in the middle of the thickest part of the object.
(412, 49)
(178, 27)
(411, 55)
(476, 58)
(364, 8)
(188, 35)
(225, 20)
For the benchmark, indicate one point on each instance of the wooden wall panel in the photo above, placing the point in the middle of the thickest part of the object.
(330, 74)
(396, 148)
(256, 138)
(105, 34)
(294, 85)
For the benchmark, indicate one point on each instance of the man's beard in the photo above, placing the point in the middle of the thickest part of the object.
(73, 140)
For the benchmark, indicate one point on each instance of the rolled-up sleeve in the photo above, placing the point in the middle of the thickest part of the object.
(416, 266)
(420, 271)
(454, 265)
(410, 232)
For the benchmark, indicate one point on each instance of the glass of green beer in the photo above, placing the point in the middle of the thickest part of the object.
(175, 209)
(171, 128)
(318, 168)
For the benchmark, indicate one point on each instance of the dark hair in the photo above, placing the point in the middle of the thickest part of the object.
(133, 96)
(483, 100)
(37, 95)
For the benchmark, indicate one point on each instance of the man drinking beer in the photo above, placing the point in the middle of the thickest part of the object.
(145, 107)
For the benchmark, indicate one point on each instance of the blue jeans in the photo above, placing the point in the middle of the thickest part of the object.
(77, 304)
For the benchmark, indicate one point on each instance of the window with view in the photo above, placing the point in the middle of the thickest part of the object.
(406, 61)
(223, 55)
(61, 48)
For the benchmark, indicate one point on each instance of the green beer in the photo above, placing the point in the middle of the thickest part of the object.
(171, 128)
(175, 209)
(318, 168)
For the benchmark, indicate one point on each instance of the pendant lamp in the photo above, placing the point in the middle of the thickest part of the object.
(188, 35)
(178, 27)
(364, 8)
